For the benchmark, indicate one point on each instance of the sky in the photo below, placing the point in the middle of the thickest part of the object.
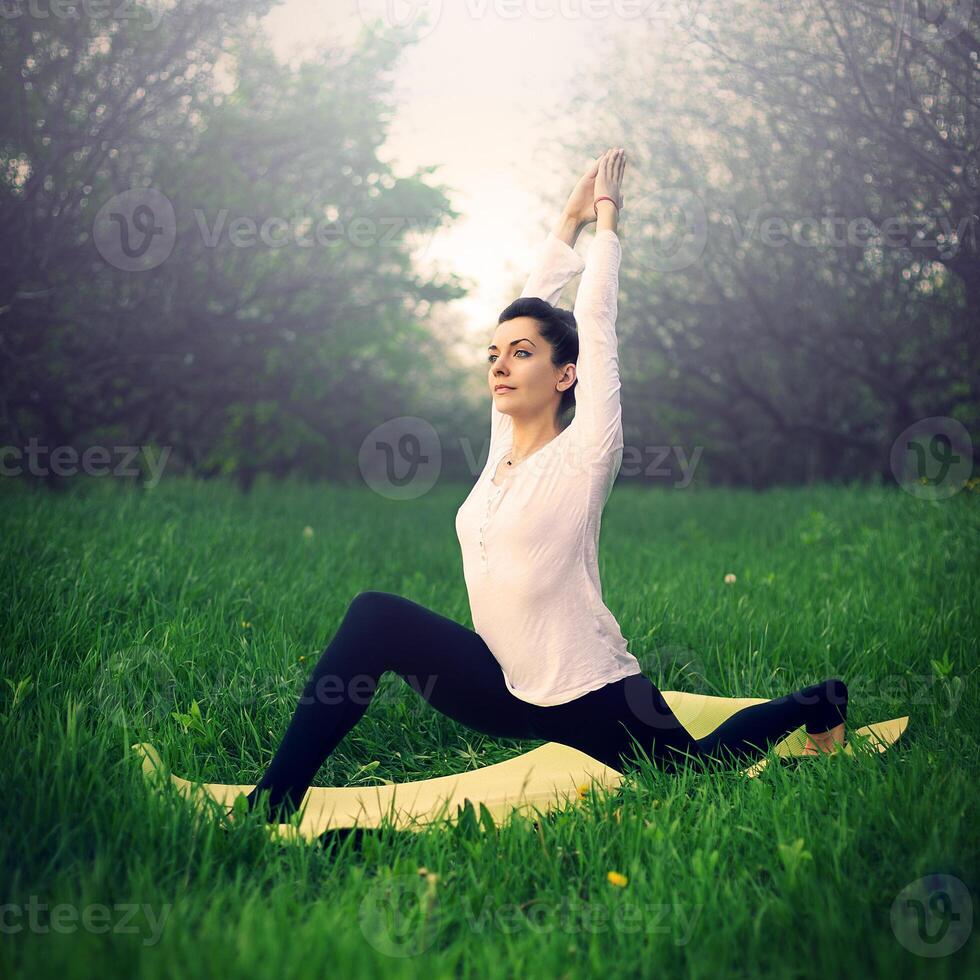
(478, 95)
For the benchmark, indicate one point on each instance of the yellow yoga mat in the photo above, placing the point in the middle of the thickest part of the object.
(542, 780)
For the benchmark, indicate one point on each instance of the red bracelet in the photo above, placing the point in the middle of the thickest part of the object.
(595, 203)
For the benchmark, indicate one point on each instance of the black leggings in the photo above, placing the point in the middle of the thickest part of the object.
(453, 669)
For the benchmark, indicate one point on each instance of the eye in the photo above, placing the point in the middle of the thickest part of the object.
(520, 350)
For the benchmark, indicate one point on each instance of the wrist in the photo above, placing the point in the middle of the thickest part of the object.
(568, 226)
(573, 220)
(607, 216)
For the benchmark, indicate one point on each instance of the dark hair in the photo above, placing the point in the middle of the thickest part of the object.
(558, 327)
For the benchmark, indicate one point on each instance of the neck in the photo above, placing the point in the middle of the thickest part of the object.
(531, 434)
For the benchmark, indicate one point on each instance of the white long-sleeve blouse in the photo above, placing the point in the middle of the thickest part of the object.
(530, 546)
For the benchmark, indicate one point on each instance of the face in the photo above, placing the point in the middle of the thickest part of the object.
(520, 358)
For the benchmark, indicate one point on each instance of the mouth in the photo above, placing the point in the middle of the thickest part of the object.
(499, 388)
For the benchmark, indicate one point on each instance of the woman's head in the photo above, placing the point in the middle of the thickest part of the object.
(534, 350)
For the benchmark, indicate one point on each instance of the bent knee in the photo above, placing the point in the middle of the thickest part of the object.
(369, 600)
(374, 606)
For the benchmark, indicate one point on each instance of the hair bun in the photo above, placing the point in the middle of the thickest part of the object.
(558, 327)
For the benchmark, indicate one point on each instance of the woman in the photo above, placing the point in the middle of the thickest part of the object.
(546, 659)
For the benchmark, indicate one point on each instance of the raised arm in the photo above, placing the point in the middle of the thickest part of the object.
(557, 263)
(598, 414)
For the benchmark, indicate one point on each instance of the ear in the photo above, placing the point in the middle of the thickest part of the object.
(567, 378)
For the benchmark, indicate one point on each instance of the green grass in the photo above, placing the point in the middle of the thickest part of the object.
(121, 607)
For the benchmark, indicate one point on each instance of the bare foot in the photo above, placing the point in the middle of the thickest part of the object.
(826, 742)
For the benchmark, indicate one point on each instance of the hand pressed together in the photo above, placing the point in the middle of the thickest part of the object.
(602, 177)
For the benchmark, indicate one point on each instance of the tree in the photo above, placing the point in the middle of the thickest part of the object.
(792, 342)
(288, 295)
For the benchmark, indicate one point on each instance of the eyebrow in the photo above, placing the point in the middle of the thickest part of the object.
(519, 339)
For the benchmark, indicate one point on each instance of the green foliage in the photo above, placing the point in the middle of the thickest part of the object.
(273, 335)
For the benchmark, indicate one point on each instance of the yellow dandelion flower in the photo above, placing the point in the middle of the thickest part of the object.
(583, 791)
(302, 658)
(615, 878)
(246, 625)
